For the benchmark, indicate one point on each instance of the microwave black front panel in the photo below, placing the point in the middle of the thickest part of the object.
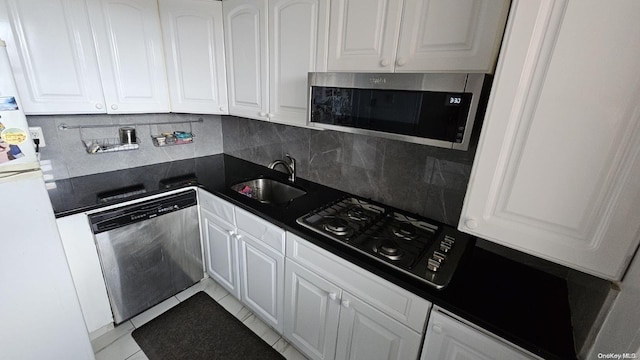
(426, 114)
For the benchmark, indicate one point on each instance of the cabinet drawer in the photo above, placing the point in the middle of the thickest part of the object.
(260, 229)
(216, 206)
(398, 303)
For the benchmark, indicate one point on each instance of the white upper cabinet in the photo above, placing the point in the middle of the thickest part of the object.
(51, 52)
(445, 35)
(194, 54)
(128, 42)
(297, 39)
(270, 47)
(363, 35)
(245, 24)
(557, 168)
(415, 35)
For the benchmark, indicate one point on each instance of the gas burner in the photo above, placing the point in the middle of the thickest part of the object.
(389, 249)
(338, 226)
(404, 231)
(357, 213)
(413, 245)
(414, 224)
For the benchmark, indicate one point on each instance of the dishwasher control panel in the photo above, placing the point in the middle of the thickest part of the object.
(129, 214)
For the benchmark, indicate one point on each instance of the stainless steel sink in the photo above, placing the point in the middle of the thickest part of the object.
(268, 191)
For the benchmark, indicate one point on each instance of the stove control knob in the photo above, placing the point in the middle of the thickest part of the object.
(438, 256)
(433, 265)
(444, 247)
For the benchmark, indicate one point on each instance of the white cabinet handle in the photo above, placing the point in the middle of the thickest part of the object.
(401, 62)
(99, 106)
(231, 232)
(262, 113)
(437, 329)
(238, 236)
(384, 62)
(114, 107)
(270, 115)
(346, 303)
(222, 108)
(333, 296)
(471, 223)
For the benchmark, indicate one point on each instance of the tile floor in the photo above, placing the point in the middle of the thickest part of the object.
(118, 344)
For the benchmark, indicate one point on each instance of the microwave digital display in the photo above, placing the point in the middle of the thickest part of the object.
(425, 114)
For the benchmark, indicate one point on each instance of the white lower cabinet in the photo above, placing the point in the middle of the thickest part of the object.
(365, 333)
(334, 310)
(262, 279)
(245, 254)
(221, 251)
(450, 339)
(324, 305)
(312, 312)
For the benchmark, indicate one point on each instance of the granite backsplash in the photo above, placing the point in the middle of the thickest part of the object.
(69, 158)
(421, 179)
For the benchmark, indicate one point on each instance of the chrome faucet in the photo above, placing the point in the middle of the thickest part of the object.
(290, 166)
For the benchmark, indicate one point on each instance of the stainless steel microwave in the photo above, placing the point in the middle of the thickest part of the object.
(435, 109)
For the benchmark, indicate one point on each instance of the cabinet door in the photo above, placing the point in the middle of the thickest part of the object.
(363, 35)
(221, 252)
(312, 311)
(129, 46)
(557, 168)
(52, 55)
(296, 47)
(398, 303)
(194, 53)
(449, 339)
(245, 24)
(262, 280)
(444, 35)
(365, 333)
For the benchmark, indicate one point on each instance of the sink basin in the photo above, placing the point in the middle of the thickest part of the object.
(268, 191)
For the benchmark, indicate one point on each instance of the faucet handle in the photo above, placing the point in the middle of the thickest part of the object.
(292, 165)
(291, 159)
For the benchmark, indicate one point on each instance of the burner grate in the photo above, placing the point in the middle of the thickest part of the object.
(407, 243)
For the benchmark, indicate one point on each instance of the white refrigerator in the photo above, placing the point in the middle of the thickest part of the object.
(40, 316)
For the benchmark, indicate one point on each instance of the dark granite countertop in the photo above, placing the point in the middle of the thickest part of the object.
(523, 305)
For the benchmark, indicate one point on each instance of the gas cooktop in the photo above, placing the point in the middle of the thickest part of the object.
(424, 249)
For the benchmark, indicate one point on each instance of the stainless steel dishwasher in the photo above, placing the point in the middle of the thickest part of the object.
(149, 251)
